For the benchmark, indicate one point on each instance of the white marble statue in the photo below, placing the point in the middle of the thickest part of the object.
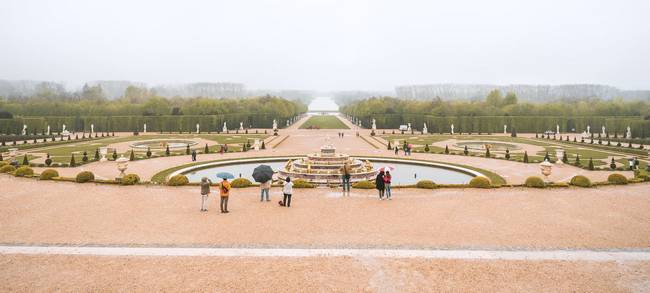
(92, 128)
(198, 128)
(241, 125)
(144, 128)
(603, 130)
(275, 124)
(628, 135)
(452, 128)
(425, 130)
(374, 124)
(409, 129)
(557, 129)
(24, 129)
(63, 128)
(505, 129)
(48, 130)
(588, 129)
(225, 128)
(287, 122)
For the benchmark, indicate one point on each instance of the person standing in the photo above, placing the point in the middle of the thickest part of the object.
(345, 176)
(287, 190)
(225, 193)
(265, 187)
(205, 191)
(193, 155)
(396, 150)
(387, 181)
(379, 184)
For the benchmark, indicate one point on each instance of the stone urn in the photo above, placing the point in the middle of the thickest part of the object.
(122, 165)
(546, 168)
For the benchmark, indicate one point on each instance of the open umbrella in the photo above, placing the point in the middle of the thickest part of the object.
(386, 168)
(225, 175)
(262, 173)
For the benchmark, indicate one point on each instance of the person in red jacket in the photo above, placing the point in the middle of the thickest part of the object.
(387, 180)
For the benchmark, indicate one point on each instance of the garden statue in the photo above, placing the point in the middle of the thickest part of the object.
(24, 129)
(241, 125)
(545, 168)
(628, 135)
(275, 125)
(256, 145)
(122, 165)
(409, 129)
(198, 129)
(103, 151)
(452, 128)
(48, 130)
(92, 128)
(588, 129)
(225, 128)
(63, 128)
(374, 124)
(557, 129)
(287, 122)
(505, 129)
(559, 153)
(425, 130)
(603, 130)
(144, 128)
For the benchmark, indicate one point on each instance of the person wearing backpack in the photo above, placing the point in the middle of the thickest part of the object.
(205, 191)
(225, 192)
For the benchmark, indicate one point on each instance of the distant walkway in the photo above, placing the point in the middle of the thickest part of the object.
(534, 255)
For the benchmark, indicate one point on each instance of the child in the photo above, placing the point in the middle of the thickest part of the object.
(205, 191)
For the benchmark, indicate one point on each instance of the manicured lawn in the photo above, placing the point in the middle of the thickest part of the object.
(324, 122)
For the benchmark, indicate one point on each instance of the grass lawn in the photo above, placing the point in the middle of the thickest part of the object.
(324, 122)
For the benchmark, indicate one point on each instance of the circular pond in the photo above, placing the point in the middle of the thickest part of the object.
(162, 144)
(482, 145)
(405, 172)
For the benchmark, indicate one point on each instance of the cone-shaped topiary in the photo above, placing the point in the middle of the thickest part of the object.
(97, 155)
(525, 156)
(132, 156)
(72, 161)
(466, 151)
(206, 150)
(446, 149)
(85, 157)
(577, 163)
(565, 158)
(264, 146)
(25, 160)
(591, 164)
(187, 150)
(114, 155)
(167, 152)
(547, 157)
(487, 152)
(389, 146)
(148, 152)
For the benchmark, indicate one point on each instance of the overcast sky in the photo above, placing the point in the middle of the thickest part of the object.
(326, 45)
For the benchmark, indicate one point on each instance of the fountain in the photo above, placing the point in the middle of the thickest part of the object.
(324, 167)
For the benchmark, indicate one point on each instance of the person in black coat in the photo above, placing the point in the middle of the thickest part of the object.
(379, 183)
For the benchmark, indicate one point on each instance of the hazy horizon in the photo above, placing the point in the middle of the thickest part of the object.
(327, 45)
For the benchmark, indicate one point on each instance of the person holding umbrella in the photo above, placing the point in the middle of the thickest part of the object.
(264, 175)
(379, 183)
(224, 190)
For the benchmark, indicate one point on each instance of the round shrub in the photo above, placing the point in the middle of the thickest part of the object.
(617, 179)
(178, 180)
(301, 183)
(581, 181)
(364, 185)
(241, 183)
(3, 163)
(85, 176)
(425, 184)
(24, 171)
(48, 174)
(535, 182)
(130, 179)
(480, 182)
(7, 169)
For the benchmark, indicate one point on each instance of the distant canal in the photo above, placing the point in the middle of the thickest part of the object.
(322, 104)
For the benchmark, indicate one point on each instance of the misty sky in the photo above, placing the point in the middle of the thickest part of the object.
(327, 45)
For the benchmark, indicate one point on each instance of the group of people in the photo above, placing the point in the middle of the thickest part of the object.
(382, 183)
(341, 134)
(405, 148)
(224, 193)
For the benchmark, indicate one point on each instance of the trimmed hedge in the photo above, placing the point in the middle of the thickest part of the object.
(130, 179)
(178, 180)
(24, 171)
(480, 182)
(581, 181)
(3, 163)
(426, 184)
(241, 183)
(617, 179)
(85, 176)
(535, 182)
(364, 185)
(301, 183)
(7, 169)
(48, 174)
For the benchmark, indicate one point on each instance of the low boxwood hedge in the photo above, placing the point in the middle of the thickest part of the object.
(535, 182)
(7, 169)
(48, 174)
(425, 184)
(581, 181)
(24, 171)
(178, 180)
(85, 176)
(480, 182)
(364, 185)
(617, 179)
(130, 179)
(241, 183)
(301, 183)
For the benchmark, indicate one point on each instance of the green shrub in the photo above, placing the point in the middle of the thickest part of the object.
(535, 182)
(48, 174)
(7, 169)
(24, 171)
(425, 184)
(3, 163)
(178, 180)
(241, 183)
(480, 182)
(25, 160)
(85, 176)
(364, 185)
(130, 179)
(301, 183)
(581, 181)
(617, 179)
